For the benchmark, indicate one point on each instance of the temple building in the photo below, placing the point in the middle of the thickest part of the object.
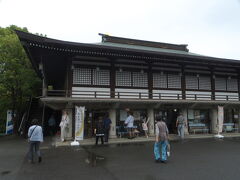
(150, 78)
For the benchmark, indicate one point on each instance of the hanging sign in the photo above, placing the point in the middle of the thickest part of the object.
(79, 122)
(220, 118)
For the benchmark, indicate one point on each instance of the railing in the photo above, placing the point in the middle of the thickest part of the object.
(140, 95)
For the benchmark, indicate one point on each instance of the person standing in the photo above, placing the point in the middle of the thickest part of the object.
(35, 136)
(106, 124)
(145, 126)
(99, 130)
(52, 125)
(64, 124)
(180, 124)
(129, 123)
(161, 141)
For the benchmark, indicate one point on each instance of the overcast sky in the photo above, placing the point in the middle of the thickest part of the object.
(209, 27)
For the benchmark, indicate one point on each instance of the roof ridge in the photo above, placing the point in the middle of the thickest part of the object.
(121, 40)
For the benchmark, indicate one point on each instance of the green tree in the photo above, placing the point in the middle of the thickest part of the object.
(18, 80)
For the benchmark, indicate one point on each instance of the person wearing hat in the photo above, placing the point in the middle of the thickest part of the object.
(161, 141)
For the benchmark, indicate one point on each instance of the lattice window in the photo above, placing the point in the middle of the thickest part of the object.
(123, 78)
(159, 80)
(191, 82)
(204, 83)
(232, 84)
(82, 76)
(174, 81)
(139, 79)
(101, 77)
(220, 83)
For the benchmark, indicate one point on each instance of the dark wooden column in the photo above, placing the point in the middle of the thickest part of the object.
(69, 77)
(150, 80)
(73, 122)
(183, 82)
(212, 84)
(112, 78)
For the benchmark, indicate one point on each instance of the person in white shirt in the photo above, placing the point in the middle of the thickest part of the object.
(35, 136)
(145, 126)
(64, 124)
(129, 123)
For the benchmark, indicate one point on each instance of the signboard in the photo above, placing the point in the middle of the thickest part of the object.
(220, 118)
(9, 123)
(79, 122)
(123, 115)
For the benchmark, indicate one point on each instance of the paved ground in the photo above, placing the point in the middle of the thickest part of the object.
(191, 159)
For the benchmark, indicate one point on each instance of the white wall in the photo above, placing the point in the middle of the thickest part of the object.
(89, 92)
(131, 93)
(223, 96)
(201, 95)
(166, 94)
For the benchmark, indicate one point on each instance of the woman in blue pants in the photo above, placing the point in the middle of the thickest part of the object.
(161, 141)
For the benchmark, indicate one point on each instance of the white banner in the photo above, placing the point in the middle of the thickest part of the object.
(79, 122)
(220, 118)
(9, 122)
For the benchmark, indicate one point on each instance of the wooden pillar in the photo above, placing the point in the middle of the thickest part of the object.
(212, 84)
(44, 83)
(150, 80)
(151, 123)
(183, 82)
(112, 116)
(112, 78)
(73, 122)
(69, 78)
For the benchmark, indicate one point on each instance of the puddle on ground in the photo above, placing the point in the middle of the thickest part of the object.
(94, 159)
(5, 172)
(128, 144)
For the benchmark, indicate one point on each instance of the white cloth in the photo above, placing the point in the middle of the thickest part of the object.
(36, 134)
(145, 125)
(64, 125)
(64, 122)
(129, 121)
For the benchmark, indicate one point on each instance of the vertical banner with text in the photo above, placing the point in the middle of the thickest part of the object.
(220, 118)
(79, 122)
(9, 122)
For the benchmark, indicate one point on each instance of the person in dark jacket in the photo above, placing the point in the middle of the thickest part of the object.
(99, 131)
(106, 124)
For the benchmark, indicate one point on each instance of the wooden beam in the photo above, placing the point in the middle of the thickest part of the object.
(212, 84)
(183, 82)
(112, 78)
(150, 80)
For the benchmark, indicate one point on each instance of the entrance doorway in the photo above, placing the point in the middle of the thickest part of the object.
(91, 120)
(57, 116)
(170, 117)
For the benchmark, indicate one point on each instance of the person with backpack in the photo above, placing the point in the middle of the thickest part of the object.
(35, 137)
(161, 141)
